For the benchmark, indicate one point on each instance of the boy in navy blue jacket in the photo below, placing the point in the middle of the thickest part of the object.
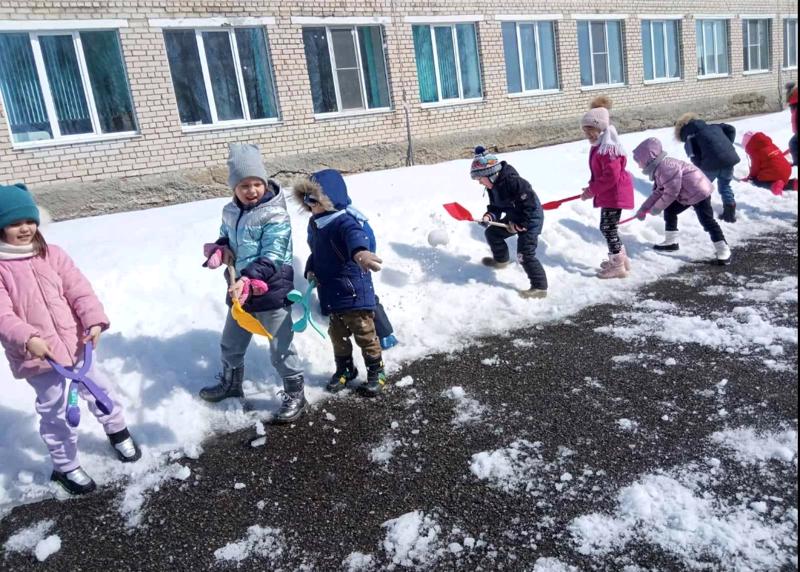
(710, 148)
(340, 263)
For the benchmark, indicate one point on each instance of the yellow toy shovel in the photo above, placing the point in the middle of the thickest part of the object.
(245, 320)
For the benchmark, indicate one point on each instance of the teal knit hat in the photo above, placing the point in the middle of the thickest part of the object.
(17, 204)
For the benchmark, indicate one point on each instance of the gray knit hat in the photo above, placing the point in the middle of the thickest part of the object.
(244, 160)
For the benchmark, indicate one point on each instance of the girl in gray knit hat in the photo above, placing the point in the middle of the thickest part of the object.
(256, 239)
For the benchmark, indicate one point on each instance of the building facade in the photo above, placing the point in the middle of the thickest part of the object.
(100, 89)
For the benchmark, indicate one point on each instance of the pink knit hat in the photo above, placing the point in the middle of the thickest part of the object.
(597, 118)
(746, 138)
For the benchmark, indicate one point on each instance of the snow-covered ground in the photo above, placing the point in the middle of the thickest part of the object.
(167, 313)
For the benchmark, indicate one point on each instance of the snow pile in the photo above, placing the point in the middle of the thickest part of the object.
(521, 467)
(358, 562)
(752, 447)
(384, 452)
(467, 410)
(266, 544)
(744, 330)
(660, 510)
(552, 565)
(781, 291)
(412, 540)
(34, 539)
(134, 496)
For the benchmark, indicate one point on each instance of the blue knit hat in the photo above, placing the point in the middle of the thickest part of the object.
(484, 164)
(244, 160)
(17, 204)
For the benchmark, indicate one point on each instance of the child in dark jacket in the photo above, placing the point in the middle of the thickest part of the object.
(512, 201)
(340, 263)
(710, 147)
(769, 168)
(610, 185)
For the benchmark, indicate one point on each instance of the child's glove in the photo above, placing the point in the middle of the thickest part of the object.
(655, 211)
(586, 195)
(368, 261)
(250, 287)
(641, 215)
(213, 253)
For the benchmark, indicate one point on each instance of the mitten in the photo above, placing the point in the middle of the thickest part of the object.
(655, 211)
(213, 253)
(586, 195)
(641, 215)
(252, 286)
(368, 261)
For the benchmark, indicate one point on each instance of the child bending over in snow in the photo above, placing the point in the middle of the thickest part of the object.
(769, 168)
(340, 263)
(710, 147)
(49, 310)
(677, 185)
(256, 238)
(610, 186)
(512, 201)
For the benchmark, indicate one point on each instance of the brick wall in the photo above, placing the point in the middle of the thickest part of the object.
(162, 145)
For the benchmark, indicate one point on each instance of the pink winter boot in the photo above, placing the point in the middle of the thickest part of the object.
(627, 262)
(615, 267)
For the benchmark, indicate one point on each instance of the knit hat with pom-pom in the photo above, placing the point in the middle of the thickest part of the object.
(484, 164)
(598, 116)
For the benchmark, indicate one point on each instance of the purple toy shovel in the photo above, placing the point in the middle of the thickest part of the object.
(76, 378)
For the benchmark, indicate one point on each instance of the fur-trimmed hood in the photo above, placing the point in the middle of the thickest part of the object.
(311, 188)
(682, 122)
(329, 188)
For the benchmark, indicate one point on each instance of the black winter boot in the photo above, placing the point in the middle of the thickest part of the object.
(345, 371)
(230, 385)
(728, 212)
(75, 482)
(376, 378)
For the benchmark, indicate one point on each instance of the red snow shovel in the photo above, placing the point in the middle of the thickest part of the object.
(555, 204)
(458, 212)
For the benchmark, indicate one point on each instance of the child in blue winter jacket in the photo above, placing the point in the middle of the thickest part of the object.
(340, 263)
(256, 239)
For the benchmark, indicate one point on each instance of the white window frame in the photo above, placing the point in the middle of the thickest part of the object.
(605, 21)
(705, 50)
(665, 22)
(787, 64)
(362, 82)
(451, 23)
(747, 64)
(216, 124)
(37, 29)
(541, 90)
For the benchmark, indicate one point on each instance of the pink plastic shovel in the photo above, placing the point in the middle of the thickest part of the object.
(458, 212)
(555, 204)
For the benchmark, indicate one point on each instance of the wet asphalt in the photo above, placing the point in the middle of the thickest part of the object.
(555, 386)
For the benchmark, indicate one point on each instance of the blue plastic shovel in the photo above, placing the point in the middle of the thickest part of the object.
(305, 301)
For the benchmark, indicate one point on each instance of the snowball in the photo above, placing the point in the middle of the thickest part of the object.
(47, 547)
(438, 237)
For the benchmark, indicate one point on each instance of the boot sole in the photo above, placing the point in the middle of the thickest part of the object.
(669, 248)
(286, 420)
(76, 493)
(218, 399)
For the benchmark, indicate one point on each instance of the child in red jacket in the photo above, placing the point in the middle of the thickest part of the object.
(769, 168)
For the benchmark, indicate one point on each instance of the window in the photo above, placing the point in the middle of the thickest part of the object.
(347, 68)
(756, 36)
(447, 62)
(600, 49)
(790, 43)
(712, 47)
(530, 51)
(64, 86)
(221, 76)
(662, 50)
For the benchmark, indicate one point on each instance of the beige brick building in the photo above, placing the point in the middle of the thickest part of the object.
(367, 104)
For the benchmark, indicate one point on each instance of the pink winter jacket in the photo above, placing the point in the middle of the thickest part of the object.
(676, 180)
(45, 297)
(611, 184)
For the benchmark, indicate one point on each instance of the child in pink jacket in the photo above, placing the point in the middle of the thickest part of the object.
(678, 185)
(48, 310)
(611, 185)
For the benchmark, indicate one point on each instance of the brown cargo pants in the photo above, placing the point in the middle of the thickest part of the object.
(359, 324)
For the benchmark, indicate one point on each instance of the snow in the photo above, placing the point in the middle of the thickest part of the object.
(167, 311)
(47, 547)
(357, 561)
(675, 511)
(28, 538)
(412, 539)
(264, 543)
(467, 410)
